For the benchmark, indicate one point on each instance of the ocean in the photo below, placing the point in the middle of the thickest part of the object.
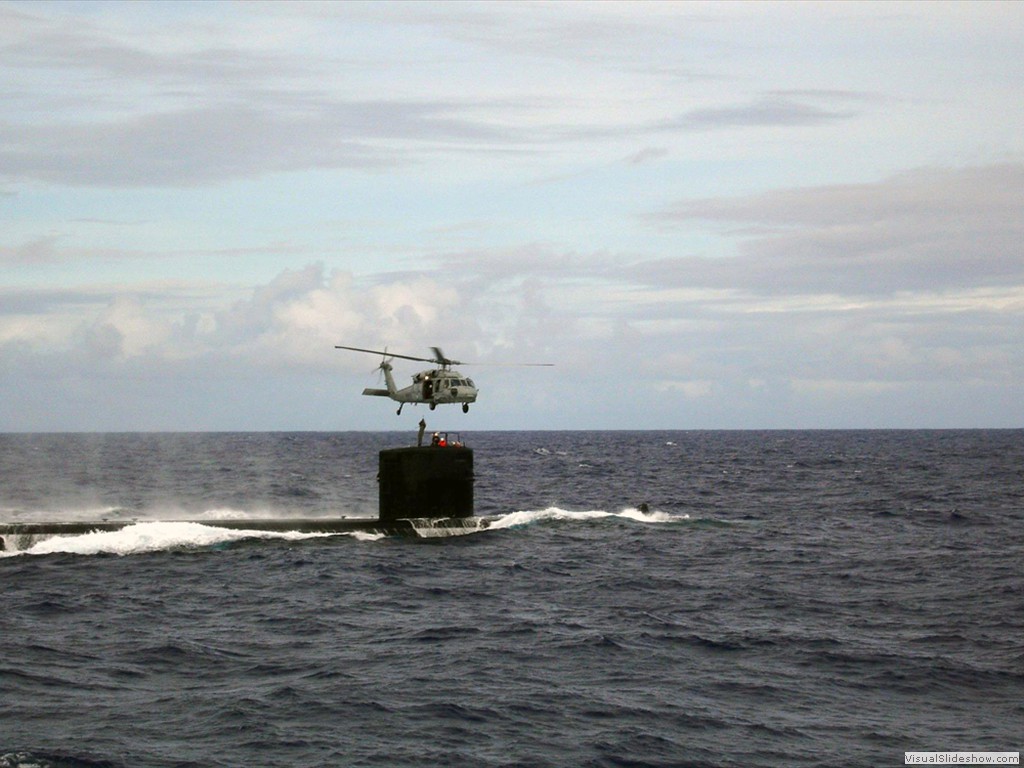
(690, 598)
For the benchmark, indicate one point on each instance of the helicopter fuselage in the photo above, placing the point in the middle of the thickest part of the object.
(435, 387)
(442, 385)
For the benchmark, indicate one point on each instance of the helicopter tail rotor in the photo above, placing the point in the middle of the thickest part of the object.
(384, 360)
(383, 374)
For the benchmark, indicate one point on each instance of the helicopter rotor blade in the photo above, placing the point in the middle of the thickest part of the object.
(386, 353)
(514, 365)
(440, 359)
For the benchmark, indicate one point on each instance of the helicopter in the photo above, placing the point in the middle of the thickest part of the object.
(436, 386)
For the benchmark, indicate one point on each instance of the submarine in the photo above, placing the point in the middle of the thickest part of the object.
(424, 491)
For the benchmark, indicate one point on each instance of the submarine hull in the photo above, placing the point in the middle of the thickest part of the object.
(424, 492)
(22, 536)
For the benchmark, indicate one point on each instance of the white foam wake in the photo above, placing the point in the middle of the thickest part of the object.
(155, 536)
(554, 513)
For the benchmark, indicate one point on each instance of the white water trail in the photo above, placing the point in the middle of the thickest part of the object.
(155, 537)
(142, 537)
(515, 519)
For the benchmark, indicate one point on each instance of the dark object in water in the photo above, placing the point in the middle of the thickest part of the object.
(424, 492)
(425, 482)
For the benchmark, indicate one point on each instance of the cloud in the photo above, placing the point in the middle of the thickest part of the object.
(103, 322)
(925, 230)
(91, 48)
(647, 155)
(202, 102)
(293, 320)
(40, 250)
(205, 101)
(27, 302)
(693, 346)
(215, 143)
(767, 111)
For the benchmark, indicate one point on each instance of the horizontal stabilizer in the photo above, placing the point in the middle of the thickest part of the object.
(376, 392)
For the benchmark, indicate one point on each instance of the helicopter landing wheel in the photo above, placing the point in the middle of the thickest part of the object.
(465, 407)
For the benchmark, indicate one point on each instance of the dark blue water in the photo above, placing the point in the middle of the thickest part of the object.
(789, 599)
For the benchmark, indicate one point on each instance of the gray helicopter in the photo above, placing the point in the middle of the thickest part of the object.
(436, 386)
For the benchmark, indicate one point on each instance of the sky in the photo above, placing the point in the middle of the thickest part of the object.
(706, 215)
